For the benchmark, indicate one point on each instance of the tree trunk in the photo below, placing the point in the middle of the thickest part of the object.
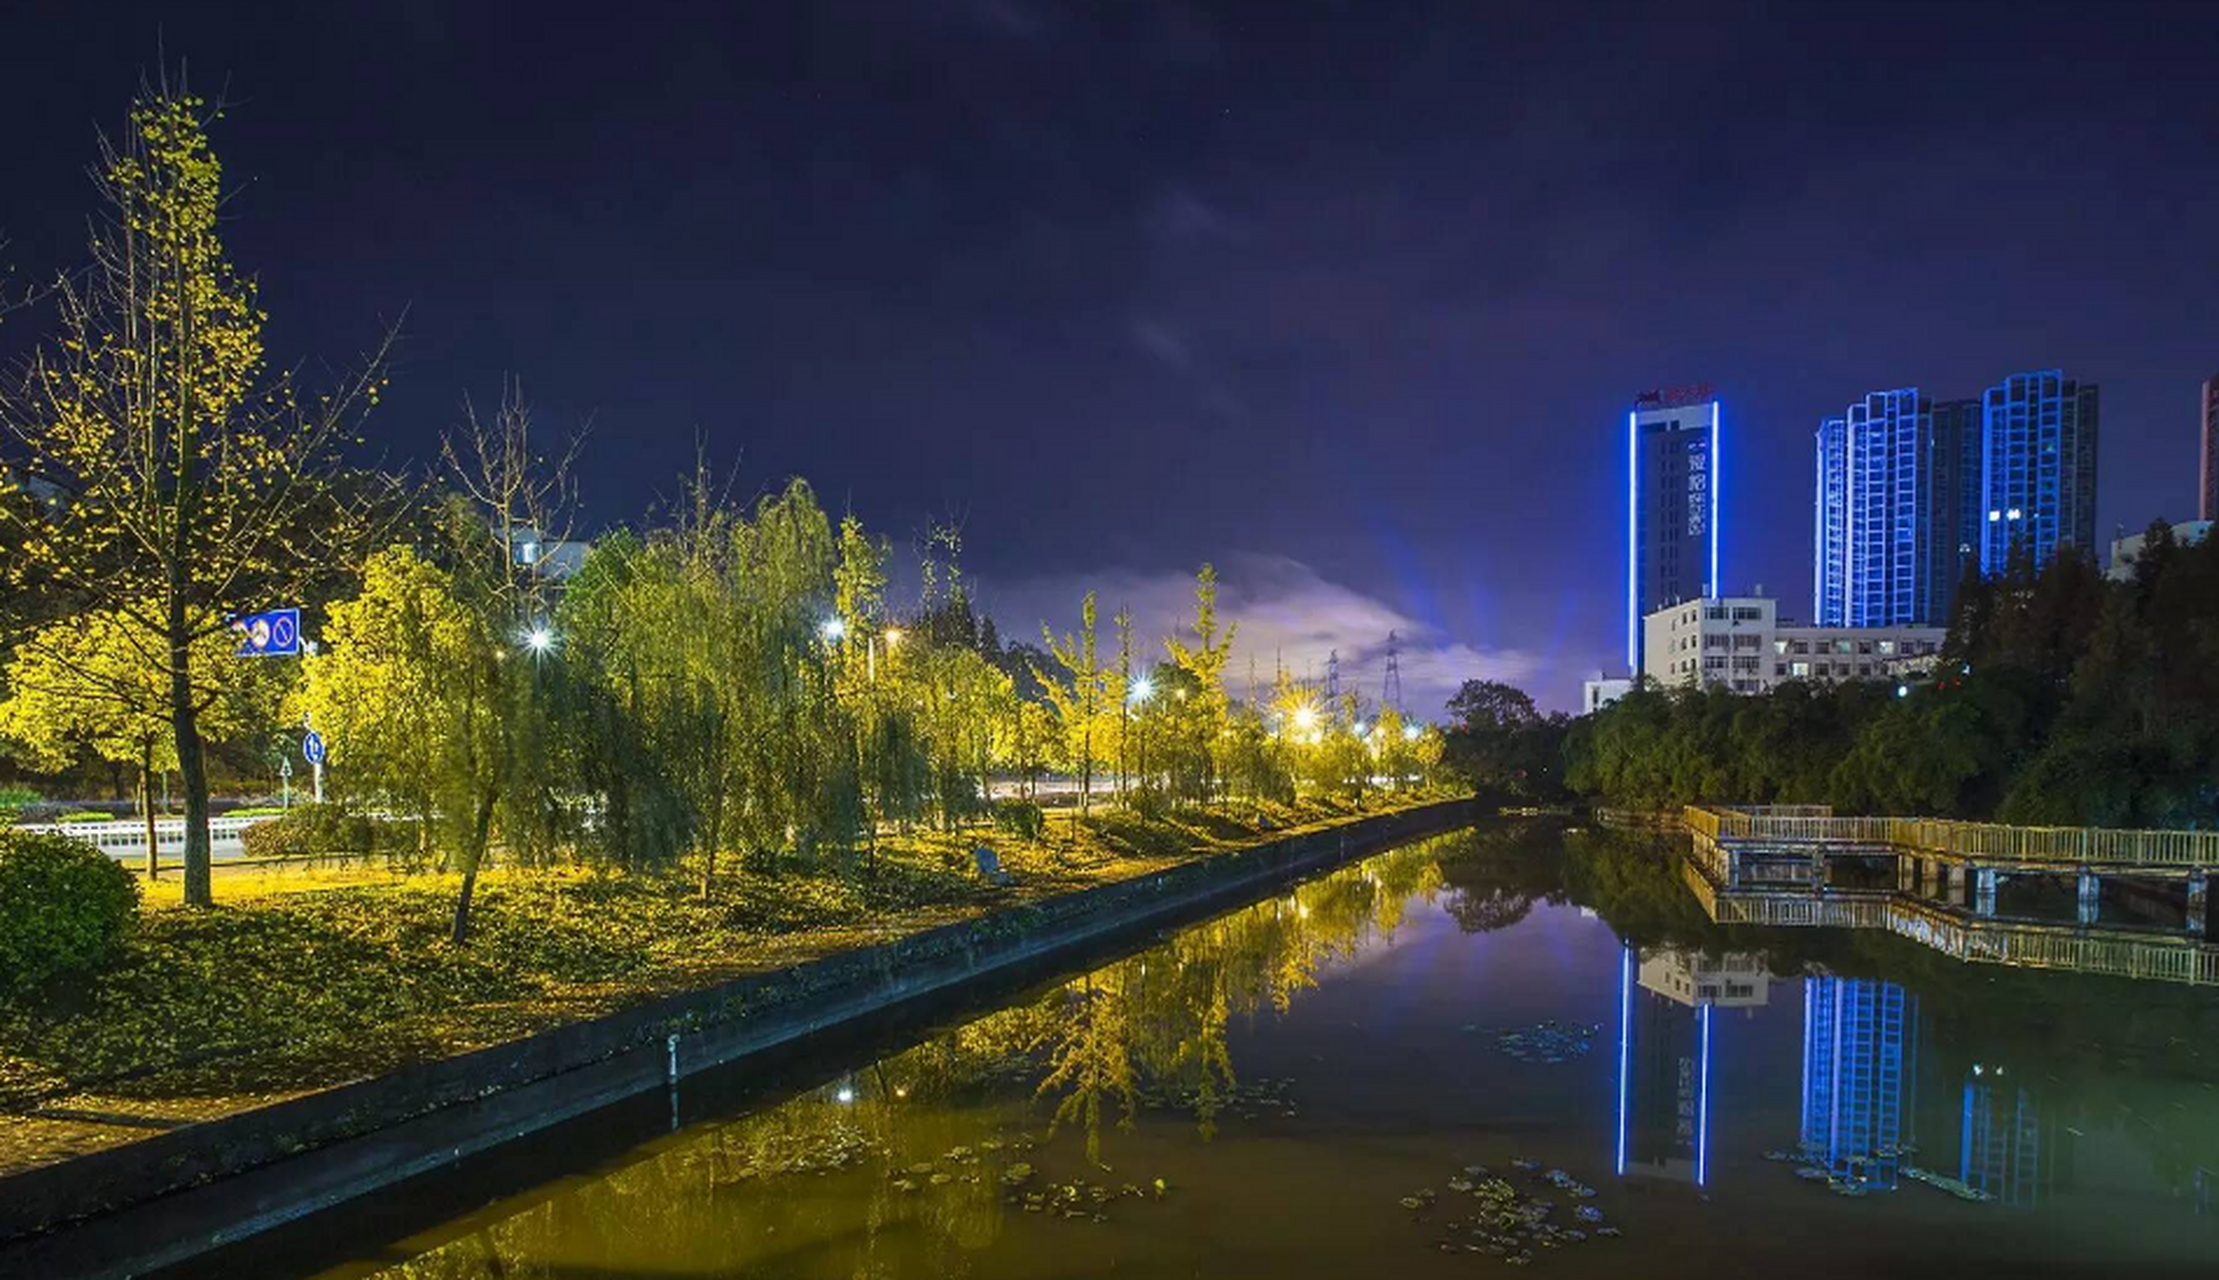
(192, 764)
(146, 807)
(480, 832)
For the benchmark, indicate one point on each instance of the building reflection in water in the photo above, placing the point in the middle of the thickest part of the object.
(1667, 1002)
(1860, 1068)
(2007, 1148)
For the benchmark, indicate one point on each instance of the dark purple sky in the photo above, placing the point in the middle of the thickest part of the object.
(1349, 298)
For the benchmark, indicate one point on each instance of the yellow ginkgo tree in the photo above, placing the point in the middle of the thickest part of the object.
(180, 481)
(89, 685)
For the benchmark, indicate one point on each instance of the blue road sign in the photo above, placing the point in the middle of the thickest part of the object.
(274, 633)
(312, 747)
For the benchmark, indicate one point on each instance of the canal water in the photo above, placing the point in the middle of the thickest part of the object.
(1512, 1048)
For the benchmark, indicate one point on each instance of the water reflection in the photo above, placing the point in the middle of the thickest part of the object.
(1860, 1059)
(1289, 1083)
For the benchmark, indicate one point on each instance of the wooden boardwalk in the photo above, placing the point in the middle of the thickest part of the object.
(1986, 844)
(1771, 870)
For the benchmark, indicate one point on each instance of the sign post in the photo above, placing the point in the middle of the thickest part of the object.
(312, 748)
(285, 782)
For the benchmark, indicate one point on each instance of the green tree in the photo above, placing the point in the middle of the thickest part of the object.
(193, 483)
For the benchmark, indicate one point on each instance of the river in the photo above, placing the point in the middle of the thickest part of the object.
(1511, 1047)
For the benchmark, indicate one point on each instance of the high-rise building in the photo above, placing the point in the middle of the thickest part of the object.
(2207, 493)
(2039, 467)
(1672, 495)
(1895, 474)
(1954, 515)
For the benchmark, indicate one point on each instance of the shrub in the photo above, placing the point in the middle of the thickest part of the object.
(1020, 818)
(64, 908)
(83, 815)
(324, 830)
(14, 800)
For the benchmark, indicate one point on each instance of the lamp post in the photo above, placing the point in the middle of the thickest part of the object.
(1142, 690)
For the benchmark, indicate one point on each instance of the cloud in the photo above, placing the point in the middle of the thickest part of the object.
(1288, 614)
(1162, 342)
(1179, 218)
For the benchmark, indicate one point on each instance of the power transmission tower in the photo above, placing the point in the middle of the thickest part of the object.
(1390, 693)
(1333, 676)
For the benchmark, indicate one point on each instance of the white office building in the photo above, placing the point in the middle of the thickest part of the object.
(1599, 691)
(2126, 550)
(1740, 643)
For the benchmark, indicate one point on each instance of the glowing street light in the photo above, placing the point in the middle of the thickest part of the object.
(539, 639)
(1305, 718)
(1410, 732)
(893, 637)
(832, 630)
(1142, 690)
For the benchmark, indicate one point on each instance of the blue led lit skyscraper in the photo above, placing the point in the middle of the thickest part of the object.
(1893, 526)
(1672, 497)
(2038, 487)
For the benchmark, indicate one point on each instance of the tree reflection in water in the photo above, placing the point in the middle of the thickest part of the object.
(942, 1129)
(913, 1164)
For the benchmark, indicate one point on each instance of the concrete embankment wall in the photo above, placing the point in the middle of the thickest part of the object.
(173, 1196)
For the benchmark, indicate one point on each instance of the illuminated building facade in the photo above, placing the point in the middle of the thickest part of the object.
(1897, 487)
(2038, 488)
(1672, 504)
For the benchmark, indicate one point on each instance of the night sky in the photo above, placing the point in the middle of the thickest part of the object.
(1348, 298)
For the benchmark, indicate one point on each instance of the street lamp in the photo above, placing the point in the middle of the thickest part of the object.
(832, 630)
(1142, 690)
(539, 640)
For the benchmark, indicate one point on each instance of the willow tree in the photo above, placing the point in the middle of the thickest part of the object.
(184, 482)
(417, 693)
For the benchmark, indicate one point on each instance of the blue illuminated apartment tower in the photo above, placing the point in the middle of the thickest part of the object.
(1896, 484)
(2038, 487)
(1672, 493)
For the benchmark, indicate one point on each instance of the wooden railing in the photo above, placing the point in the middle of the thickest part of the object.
(2019, 944)
(2059, 846)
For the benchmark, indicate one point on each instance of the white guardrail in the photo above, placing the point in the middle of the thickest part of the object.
(126, 837)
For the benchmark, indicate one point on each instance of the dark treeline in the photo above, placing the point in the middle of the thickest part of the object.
(2061, 698)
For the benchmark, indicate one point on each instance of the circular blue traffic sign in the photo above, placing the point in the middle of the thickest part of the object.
(312, 747)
